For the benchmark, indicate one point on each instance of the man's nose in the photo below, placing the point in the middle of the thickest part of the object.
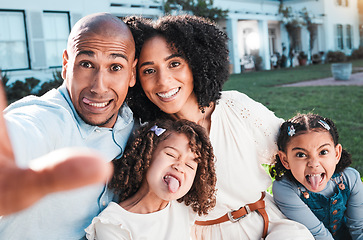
(99, 83)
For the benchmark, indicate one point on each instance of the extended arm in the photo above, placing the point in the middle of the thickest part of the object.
(57, 171)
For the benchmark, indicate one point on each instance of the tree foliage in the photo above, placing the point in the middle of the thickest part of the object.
(202, 8)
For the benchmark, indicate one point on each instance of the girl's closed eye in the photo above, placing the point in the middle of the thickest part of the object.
(170, 154)
(192, 165)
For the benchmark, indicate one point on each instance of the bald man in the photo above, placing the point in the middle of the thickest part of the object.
(87, 112)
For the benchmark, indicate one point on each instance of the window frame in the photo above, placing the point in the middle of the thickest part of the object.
(26, 41)
(45, 40)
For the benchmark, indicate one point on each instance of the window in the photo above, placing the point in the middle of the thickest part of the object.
(272, 40)
(13, 41)
(56, 31)
(349, 37)
(344, 3)
(340, 36)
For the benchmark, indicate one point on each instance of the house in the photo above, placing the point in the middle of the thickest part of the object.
(34, 33)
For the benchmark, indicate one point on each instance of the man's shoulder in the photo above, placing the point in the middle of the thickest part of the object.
(52, 100)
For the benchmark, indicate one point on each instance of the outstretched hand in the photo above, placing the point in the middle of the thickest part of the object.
(61, 170)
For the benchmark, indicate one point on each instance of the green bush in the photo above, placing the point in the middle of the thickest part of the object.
(336, 57)
(357, 53)
(54, 83)
(20, 89)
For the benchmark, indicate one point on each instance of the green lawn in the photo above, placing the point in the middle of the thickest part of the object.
(343, 104)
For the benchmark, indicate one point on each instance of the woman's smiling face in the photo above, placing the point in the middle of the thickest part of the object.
(165, 76)
(312, 158)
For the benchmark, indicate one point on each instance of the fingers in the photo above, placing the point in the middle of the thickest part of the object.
(21, 188)
(72, 168)
(6, 151)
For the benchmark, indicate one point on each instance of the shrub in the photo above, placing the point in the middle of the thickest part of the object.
(336, 57)
(357, 53)
(20, 89)
(302, 55)
(54, 83)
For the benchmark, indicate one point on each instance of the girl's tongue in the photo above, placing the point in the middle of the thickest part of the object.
(314, 180)
(173, 183)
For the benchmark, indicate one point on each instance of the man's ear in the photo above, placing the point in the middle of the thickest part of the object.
(64, 64)
(283, 159)
(133, 74)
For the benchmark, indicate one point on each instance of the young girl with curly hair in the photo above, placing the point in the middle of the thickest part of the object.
(168, 160)
(182, 65)
(314, 185)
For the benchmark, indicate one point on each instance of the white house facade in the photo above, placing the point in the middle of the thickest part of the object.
(34, 33)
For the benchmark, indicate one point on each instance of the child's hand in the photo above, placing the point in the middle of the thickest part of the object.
(64, 170)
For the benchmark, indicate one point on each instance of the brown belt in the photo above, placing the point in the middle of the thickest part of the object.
(236, 215)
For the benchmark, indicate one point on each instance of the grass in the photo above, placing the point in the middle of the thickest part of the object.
(343, 104)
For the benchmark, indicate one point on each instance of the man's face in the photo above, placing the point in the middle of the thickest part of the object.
(98, 70)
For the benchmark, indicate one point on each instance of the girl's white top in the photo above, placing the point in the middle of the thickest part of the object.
(172, 222)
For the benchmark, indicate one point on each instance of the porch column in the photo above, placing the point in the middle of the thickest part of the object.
(233, 45)
(264, 49)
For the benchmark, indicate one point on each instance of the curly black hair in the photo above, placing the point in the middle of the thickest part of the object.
(199, 41)
(301, 124)
(131, 169)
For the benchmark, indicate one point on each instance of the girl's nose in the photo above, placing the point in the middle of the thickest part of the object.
(178, 167)
(313, 162)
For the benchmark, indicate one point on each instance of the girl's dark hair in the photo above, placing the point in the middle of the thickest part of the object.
(301, 124)
(199, 41)
(130, 170)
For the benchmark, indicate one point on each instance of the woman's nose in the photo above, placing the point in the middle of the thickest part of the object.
(163, 77)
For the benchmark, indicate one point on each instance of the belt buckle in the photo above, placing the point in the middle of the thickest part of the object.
(230, 216)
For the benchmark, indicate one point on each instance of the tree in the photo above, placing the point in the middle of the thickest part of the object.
(203, 8)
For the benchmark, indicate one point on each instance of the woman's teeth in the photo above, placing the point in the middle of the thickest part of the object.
(168, 94)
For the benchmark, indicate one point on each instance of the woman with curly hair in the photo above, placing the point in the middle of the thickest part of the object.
(314, 184)
(168, 160)
(182, 66)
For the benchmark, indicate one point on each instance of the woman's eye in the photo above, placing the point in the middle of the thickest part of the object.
(116, 67)
(300, 155)
(324, 152)
(148, 71)
(174, 64)
(86, 64)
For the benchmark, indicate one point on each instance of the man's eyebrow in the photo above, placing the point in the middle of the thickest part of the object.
(117, 55)
(86, 52)
(90, 53)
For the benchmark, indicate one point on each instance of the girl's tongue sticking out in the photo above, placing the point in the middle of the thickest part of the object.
(172, 182)
(315, 180)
